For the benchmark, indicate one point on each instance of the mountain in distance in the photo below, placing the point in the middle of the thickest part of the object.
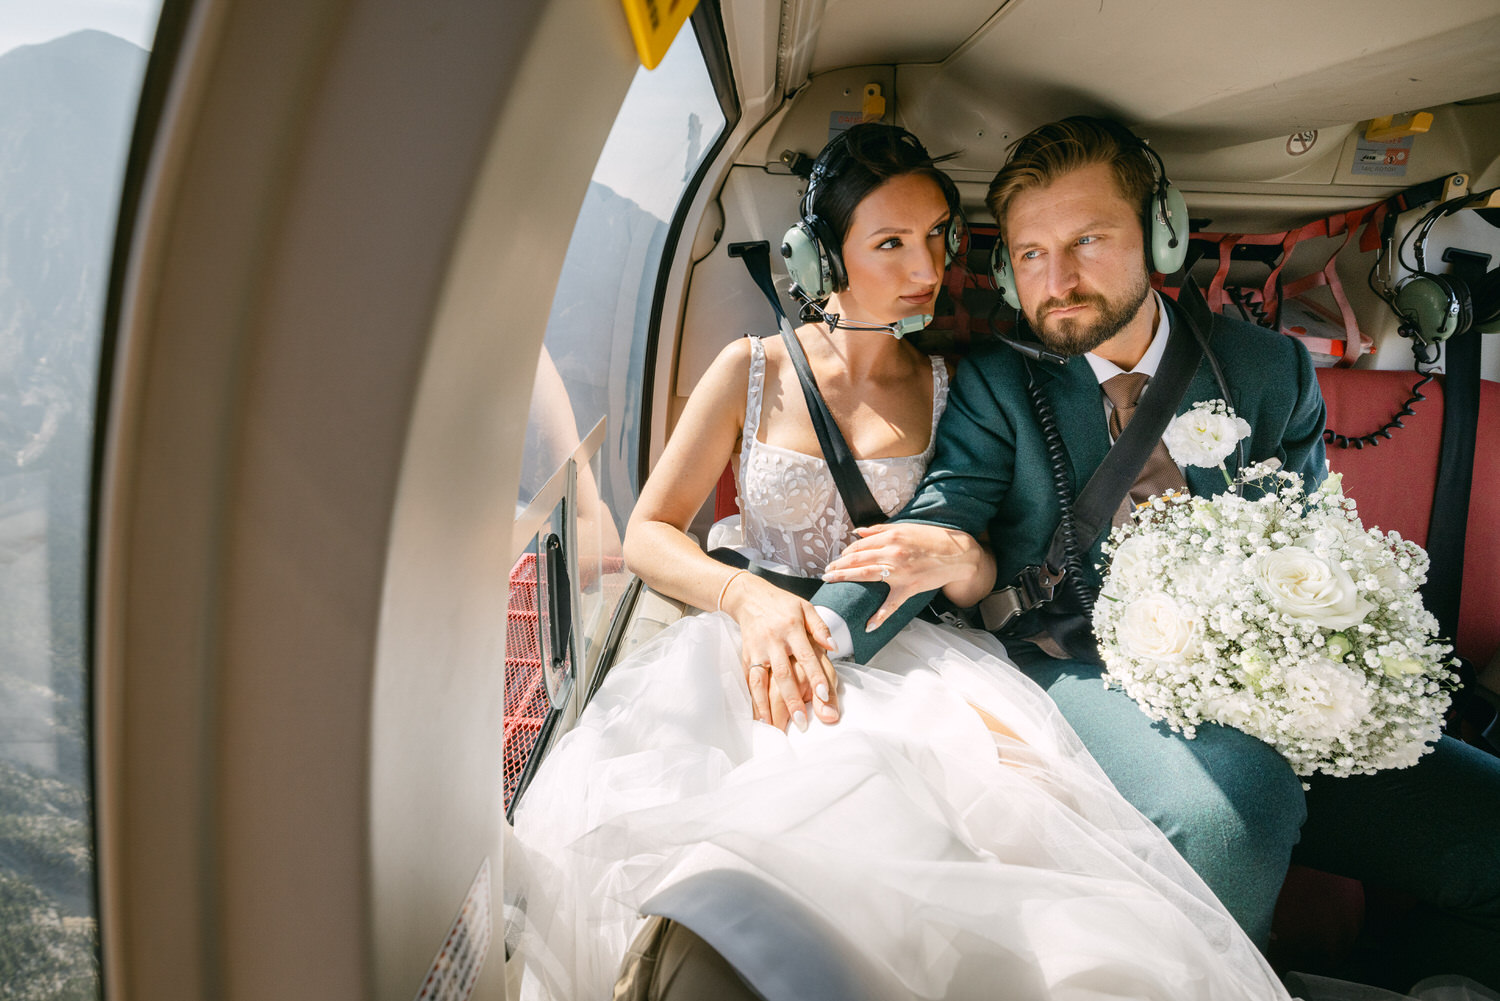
(67, 108)
(66, 113)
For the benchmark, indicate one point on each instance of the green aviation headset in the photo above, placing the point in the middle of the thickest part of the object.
(814, 253)
(1438, 307)
(1166, 219)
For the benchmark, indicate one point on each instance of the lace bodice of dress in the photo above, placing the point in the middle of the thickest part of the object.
(791, 511)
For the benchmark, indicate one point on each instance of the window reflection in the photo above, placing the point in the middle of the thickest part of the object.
(595, 348)
(66, 112)
(592, 365)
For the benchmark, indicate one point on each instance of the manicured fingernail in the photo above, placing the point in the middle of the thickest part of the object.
(800, 718)
(822, 692)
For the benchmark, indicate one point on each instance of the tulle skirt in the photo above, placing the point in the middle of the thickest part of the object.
(954, 862)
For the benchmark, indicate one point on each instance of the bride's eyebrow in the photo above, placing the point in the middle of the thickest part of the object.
(902, 230)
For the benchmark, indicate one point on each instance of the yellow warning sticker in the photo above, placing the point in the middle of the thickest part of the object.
(653, 25)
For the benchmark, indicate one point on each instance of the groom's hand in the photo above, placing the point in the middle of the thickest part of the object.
(784, 646)
(912, 559)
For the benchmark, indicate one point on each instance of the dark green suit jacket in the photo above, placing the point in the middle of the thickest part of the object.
(991, 472)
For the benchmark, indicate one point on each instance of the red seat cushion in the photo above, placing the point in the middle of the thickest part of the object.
(1319, 915)
(1392, 482)
(726, 501)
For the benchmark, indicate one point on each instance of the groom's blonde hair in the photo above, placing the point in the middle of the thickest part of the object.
(1047, 153)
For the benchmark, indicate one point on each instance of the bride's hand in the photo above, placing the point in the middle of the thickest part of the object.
(784, 646)
(913, 558)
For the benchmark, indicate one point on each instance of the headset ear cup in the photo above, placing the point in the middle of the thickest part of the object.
(830, 256)
(1434, 305)
(1004, 276)
(956, 246)
(1460, 304)
(804, 261)
(1169, 230)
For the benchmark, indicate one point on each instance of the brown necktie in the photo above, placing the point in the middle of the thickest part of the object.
(1160, 473)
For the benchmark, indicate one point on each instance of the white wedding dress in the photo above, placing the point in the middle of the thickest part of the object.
(955, 862)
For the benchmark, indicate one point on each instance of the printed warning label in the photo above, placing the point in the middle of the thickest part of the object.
(456, 967)
(1385, 159)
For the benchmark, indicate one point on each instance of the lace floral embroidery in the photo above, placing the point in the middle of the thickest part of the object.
(792, 514)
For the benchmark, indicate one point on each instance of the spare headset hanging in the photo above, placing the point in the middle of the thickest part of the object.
(1434, 307)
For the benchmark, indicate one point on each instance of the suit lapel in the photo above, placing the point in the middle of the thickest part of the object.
(1203, 388)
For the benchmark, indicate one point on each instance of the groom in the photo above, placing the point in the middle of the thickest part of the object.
(1075, 204)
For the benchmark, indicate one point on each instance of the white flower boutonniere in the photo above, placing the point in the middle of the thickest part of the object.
(1205, 435)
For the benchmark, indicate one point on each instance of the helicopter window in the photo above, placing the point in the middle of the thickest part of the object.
(587, 400)
(70, 76)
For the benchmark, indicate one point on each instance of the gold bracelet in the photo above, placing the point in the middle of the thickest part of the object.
(719, 605)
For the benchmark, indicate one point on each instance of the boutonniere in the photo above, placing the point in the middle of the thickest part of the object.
(1205, 435)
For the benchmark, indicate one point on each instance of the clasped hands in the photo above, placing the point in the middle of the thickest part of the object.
(784, 643)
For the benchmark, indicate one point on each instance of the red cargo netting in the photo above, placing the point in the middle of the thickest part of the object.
(526, 703)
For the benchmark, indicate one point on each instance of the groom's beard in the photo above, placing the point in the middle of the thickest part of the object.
(1071, 336)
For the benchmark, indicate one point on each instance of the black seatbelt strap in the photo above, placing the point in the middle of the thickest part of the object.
(858, 500)
(1094, 508)
(1448, 529)
(802, 587)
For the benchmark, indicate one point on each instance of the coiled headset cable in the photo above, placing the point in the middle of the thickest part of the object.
(1057, 460)
(1422, 355)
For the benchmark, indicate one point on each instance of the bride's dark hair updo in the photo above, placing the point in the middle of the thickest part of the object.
(859, 160)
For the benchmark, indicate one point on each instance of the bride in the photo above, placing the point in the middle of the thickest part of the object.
(932, 806)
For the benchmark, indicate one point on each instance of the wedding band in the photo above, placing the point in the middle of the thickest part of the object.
(765, 666)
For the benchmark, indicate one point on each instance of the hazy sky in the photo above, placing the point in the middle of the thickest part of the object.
(26, 22)
(647, 150)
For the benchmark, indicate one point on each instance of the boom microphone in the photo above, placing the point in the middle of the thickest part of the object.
(899, 329)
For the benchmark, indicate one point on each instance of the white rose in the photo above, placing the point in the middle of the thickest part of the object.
(1389, 575)
(1241, 710)
(1130, 561)
(1305, 586)
(1332, 485)
(1205, 435)
(1155, 627)
(1402, 755)
(1326, 699)
(1395, 667)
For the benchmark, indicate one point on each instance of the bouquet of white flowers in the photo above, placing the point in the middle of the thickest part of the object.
(1280, 615)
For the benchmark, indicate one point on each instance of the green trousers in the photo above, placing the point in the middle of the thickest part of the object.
(1239, 815)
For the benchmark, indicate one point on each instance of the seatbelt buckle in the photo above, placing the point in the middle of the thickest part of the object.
(1040, 582)
(1034, 586)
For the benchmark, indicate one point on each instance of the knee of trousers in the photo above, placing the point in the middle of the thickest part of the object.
(1245, 818)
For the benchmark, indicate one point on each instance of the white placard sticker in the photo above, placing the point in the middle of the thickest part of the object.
(1383, 159)
(455, 968)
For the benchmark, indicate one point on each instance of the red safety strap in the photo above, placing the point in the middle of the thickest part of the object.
(1273, 292)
